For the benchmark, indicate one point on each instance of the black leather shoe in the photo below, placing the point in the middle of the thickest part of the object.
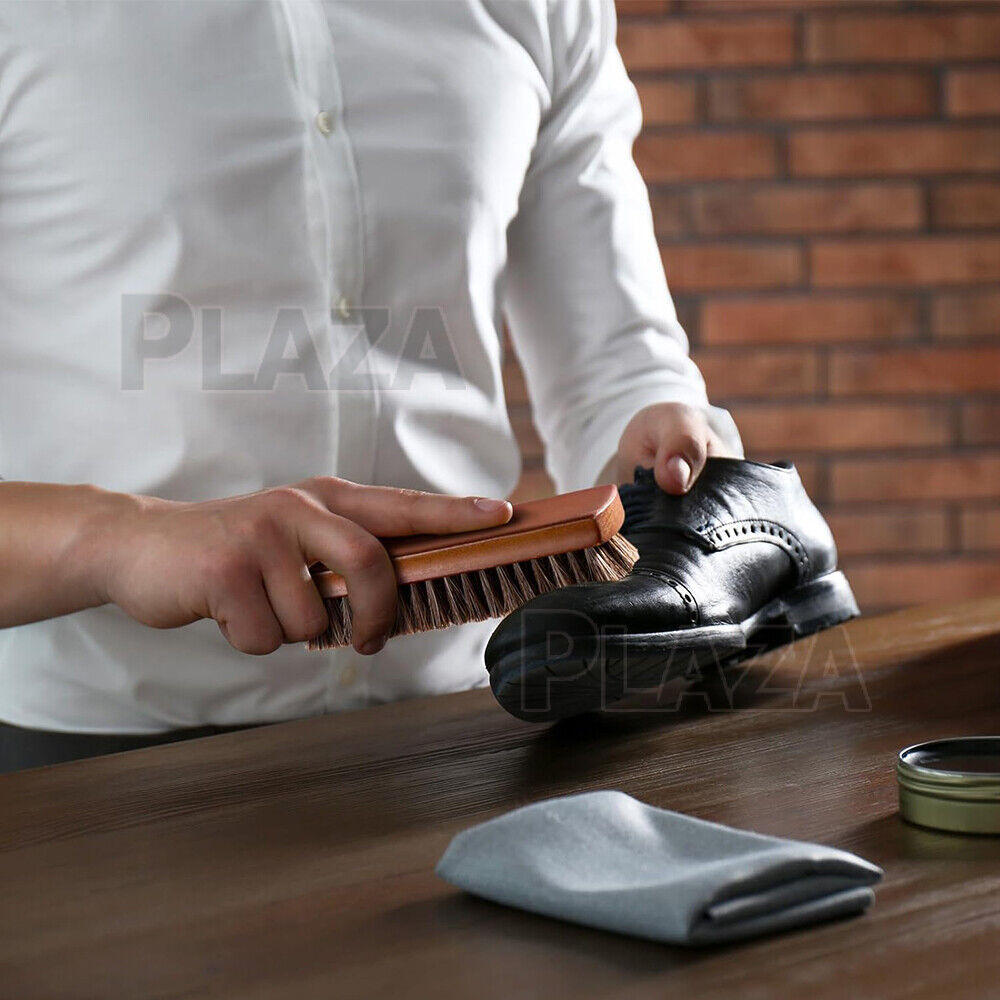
(743, 557)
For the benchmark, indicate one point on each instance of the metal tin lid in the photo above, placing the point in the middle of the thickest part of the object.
(951, 784)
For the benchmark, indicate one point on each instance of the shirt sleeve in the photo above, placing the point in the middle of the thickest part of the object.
(585, 297)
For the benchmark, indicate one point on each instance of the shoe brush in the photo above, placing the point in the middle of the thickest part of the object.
(471, 576)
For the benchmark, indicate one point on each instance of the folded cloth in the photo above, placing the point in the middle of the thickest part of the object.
(607, 860)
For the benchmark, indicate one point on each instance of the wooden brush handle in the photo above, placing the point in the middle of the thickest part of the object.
(538, 528)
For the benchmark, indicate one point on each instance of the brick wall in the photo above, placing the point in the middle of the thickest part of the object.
(825, 178)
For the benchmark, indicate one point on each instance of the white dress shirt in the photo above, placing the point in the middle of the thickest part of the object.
(243, 243)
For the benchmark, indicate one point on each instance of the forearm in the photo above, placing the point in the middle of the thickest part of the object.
(242, 561)
(54, 543)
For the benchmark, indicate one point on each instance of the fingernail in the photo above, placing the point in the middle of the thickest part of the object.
(490, 506)
(372, 646)
(679, 468)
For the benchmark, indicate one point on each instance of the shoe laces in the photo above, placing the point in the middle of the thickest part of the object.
(648, 508)
(646, 505)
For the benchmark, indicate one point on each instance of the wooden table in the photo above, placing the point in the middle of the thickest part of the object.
(297, 860)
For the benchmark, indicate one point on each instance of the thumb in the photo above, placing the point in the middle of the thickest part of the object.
(673, 473)
(679, 461)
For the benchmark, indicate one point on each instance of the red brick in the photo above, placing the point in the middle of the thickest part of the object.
(924, 370)
(762, 373)
(898, 530)
(966, 204)
(687, 316)
(671, 212)
(924, 581)
(813, 476)
(784, 208)
(642, 8)
(949, 477)
(973, 91)
(735, 6)
(915, 261)
(981, 423)
(827, 427)
(667, 102)
(705, 156)
(707, 42)
(823, 96)
(980, 528)
(731, 266)
(896, 183)
(861, 37)
(806, 319)
(967, 314)
(895, 150)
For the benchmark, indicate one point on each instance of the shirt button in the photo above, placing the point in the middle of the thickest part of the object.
(324, 122)
(348, 675)
(344, 306)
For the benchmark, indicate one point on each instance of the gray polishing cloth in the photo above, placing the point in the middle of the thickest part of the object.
(607, 860)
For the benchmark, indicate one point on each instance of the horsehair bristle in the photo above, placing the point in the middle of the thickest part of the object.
(486, 593)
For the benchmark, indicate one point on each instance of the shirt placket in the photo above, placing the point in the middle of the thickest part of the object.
(337, 234)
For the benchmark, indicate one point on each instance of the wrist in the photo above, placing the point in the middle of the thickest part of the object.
(96, 547)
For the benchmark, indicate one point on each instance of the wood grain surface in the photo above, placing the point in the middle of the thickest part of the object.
(297, 860)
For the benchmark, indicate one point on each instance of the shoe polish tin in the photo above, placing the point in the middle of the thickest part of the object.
(951, 784)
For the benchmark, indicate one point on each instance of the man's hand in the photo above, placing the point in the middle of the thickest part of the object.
(243, 561)
(674, 440)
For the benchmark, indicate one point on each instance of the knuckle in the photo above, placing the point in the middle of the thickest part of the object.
(684, 415)
(364, 554)
(261, 529)
(287, 497)
(692, 443)
(324, 484)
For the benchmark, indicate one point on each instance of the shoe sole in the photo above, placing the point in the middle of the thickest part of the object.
(595, 671)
